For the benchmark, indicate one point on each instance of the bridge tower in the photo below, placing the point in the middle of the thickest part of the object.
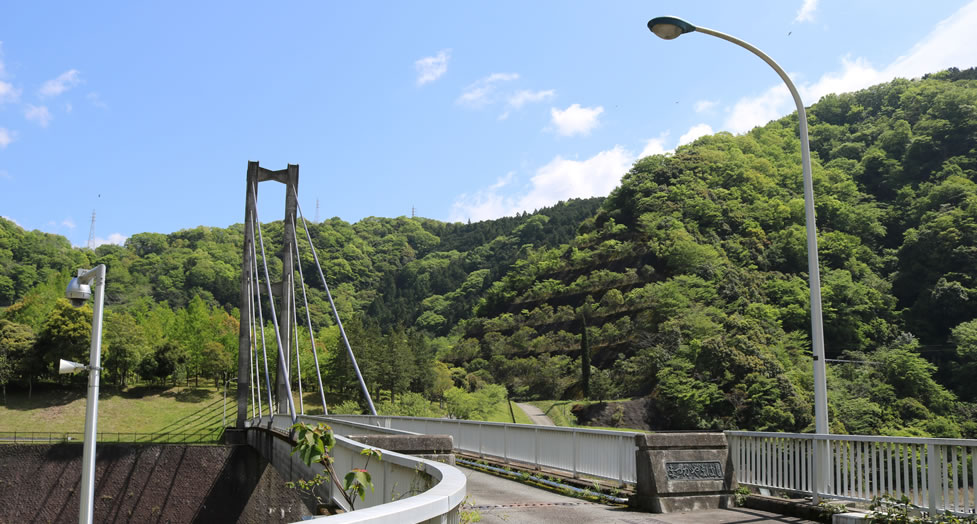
(289, 177)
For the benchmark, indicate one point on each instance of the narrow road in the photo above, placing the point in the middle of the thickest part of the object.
(500, 500)
(535, 414)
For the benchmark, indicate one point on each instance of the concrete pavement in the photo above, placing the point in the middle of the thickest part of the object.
(500, 500)
(535, 414)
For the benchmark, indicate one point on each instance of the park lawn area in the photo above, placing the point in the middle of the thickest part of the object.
(559, 413)
(501, 414)
(150, 409)
(141, 409)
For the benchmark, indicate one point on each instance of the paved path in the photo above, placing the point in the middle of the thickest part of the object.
(500, 500)
(535, 414)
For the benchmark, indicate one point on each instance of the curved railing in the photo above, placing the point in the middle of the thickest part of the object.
(597, 453)
(406, 488)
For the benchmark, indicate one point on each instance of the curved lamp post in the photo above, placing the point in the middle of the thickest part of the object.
(79, 291)
(669, 28)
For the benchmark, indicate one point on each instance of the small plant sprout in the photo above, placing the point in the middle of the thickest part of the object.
(313, 444)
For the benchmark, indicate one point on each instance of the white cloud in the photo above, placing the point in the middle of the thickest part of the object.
(501, 77)
(430, 68)
(695, 132)
(521, 98)
(68, 107)
(749, 112)
(704, 105)
(96, 100)
(68, 223)
(949, 44)
(62, 83)
(8, 93)
(806, 12)
(655, 146)
(39, 114)
(6, 137)
(482, 92)
(115, 238)
(560, 179)
(4, 175)
(575, 120)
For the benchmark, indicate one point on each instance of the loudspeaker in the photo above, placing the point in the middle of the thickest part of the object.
(66, 366)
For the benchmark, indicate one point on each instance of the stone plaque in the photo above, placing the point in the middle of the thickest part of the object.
(709, 470)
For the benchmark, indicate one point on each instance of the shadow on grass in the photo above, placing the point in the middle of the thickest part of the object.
(193, 395)
(44, 396)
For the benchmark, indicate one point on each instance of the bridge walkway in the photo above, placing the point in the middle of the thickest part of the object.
(500, 500)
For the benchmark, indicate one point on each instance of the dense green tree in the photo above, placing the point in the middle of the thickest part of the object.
(16, 342)
(66, 334)
(125, 345)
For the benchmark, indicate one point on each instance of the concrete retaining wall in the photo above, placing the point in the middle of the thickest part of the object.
(145, 483)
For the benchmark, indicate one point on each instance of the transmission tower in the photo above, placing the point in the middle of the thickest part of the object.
(91, 233)
(317, 211)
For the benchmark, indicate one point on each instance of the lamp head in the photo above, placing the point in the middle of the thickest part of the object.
(78, 293)
(669, 27)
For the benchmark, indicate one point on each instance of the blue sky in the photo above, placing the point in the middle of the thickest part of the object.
(148, 112)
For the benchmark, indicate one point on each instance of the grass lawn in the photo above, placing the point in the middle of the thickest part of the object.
(141, 409)
(150, 409)
(559, 413)
(501, 414)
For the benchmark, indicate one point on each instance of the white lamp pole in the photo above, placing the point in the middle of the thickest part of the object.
(668, 28)
(79, 290)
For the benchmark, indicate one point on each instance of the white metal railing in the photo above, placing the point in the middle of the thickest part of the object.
(935, 474)
(597, 453)
(406, 488)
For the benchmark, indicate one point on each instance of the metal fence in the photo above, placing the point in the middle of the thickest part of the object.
(596, 453)
(936, 474)
(46, 437)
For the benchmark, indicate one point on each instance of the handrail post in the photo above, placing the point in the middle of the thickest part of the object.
(536, 447)
(932, 477)
(818, 472)
(575, 474)
(623, 448)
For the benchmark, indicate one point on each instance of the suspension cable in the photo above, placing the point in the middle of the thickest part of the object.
(308, 318)
(298, 357)
(261, 317)
(251, 347)
(342, 332)
(254, 320)
(278, 335)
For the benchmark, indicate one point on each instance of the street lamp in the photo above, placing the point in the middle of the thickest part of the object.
(668, 28)
(78, 292)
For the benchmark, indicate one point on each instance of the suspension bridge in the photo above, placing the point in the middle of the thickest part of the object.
(937, 475)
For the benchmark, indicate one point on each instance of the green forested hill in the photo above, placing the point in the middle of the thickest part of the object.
(687, 284)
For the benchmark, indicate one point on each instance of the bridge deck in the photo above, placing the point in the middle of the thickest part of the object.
(500, 500)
